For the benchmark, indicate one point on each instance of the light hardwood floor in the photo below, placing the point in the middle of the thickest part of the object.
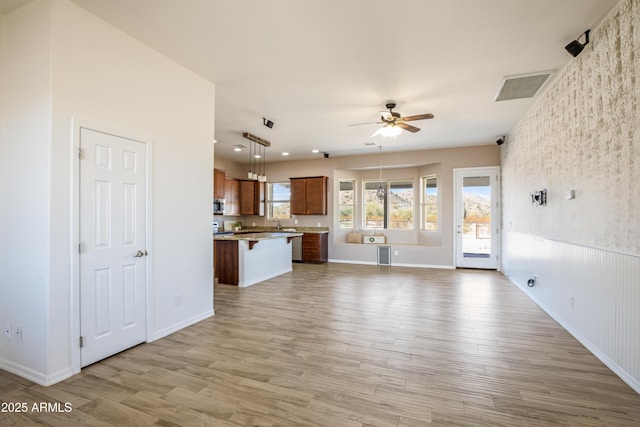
(349, 345)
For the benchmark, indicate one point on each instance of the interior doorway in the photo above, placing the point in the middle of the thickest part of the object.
(112, 244)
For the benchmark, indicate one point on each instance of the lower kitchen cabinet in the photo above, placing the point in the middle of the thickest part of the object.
(225, 255)
(315, 248)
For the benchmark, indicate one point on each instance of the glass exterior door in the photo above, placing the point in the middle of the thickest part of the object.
(477, 219)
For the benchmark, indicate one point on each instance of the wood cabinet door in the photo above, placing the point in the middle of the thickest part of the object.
(298, 192)
(252, 198)
(316, 196)
(218, 184)
(225, 255)
(247, 198)
(231, 196)
(315, 247)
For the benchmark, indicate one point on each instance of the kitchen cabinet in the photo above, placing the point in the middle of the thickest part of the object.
(315, 247)
(218, 183)
(231, 196)
(309, 195)
(251, 198)
(225, 255)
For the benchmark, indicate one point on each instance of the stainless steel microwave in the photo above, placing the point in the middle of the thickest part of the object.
(218, 206)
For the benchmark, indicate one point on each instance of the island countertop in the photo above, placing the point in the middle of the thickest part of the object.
(257, 236)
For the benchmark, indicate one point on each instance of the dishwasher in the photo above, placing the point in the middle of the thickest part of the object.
(296, 249)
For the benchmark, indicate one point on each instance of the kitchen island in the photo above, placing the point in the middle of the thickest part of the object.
(250, 258)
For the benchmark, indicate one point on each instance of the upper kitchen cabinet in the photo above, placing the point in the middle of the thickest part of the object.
(218, 183)
(251, 198)
(309, 195)
(231, 196)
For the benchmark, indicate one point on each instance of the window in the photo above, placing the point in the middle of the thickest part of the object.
(346, 202)
(279, 200)
(429, 203)
(388, 204)
(401, 204)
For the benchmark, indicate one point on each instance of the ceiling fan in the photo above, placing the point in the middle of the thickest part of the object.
(393, 123)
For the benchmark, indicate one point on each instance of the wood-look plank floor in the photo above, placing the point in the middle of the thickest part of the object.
(349, 345)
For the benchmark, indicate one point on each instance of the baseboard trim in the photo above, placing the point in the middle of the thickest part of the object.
(35, 376)
(175, 328)
(348, 261)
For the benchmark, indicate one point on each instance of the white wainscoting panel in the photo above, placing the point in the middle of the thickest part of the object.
(593, 293)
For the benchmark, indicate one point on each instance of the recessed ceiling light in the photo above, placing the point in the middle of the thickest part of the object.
(315, 151)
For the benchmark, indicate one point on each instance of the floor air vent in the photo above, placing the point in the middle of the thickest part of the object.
(384, 255)
(523, 86)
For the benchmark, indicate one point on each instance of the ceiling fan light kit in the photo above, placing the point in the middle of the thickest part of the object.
(393, 123)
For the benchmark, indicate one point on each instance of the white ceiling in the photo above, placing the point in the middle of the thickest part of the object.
(315, 67)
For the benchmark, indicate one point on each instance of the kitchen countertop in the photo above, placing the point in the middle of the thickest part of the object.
(252, 229)
(257, 236)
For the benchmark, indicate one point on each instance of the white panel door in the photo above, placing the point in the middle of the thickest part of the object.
(477, 217)
(112, 244)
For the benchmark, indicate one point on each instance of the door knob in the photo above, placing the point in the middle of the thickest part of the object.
(139, 254)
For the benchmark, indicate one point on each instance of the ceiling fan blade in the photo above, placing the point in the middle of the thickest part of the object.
(366, 123)
(418, 117)
(408, 127)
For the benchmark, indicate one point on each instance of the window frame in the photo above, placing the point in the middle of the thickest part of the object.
(270, 201)
(386, 204)
(424, 205)
(353, 203)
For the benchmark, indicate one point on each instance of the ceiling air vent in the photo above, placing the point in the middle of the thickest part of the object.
(523, 86)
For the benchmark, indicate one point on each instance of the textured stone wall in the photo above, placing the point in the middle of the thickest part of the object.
(583, 134)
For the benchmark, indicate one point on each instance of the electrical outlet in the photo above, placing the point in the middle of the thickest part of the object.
(7, 330)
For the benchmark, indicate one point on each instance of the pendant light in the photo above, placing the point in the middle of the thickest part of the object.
(257, 157)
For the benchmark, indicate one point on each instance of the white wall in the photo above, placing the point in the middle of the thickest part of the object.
(583, 135)
(101, 76)
(25, 152)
